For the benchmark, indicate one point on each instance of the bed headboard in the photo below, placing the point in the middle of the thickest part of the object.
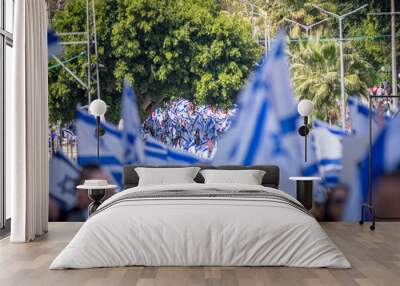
(270, 179)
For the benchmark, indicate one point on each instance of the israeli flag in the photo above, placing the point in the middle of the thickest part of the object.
(265, 128)
(180, 157)
(327, 150)
(63, 178)
(385, 159)
(155, 152)
(112, 151)
(359, 118)
(159, 154)
(67, 134)
(385, 156)
(132, 143)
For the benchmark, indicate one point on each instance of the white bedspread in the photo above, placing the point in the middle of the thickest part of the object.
(200, 231)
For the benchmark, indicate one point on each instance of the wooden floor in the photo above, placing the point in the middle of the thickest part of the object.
(375, 257)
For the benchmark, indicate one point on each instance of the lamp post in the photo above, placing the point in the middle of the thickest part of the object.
(307, 28)
(392, 15)
(340, 18)
(305, 108)
(264, 14)
(98, 108)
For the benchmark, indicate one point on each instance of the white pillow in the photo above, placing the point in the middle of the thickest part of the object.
(166, 176)
(248, 177)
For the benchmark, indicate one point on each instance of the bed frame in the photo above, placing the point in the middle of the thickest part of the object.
(270, 179)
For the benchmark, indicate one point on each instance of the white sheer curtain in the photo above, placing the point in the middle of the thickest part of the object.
(27, 123)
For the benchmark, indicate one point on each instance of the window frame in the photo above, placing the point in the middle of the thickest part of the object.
(6, 39)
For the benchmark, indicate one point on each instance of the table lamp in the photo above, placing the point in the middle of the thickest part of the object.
(305, 108)
(98, 108)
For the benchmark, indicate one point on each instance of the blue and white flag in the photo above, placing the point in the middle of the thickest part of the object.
(157, 153)
(359, 118)
(385, 159)
(385, 156)
(181, 157)
(327, 148)
(265, 128)
(63, 178)
(53, 43)
(132, 143)
(67, 134)
(111, 157)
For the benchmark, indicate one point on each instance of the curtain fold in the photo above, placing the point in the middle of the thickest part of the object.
(27, 123)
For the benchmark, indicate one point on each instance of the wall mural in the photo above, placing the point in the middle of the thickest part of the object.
(195, 87)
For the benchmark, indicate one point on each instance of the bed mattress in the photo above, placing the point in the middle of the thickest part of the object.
(201, 225)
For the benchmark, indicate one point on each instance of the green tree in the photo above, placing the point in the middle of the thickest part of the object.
(316, 76)
(167, 49)
(65, 92)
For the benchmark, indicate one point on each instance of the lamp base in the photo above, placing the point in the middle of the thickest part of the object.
(96, 196)
(303, 130)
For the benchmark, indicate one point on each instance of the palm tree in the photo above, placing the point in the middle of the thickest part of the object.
(316, 75)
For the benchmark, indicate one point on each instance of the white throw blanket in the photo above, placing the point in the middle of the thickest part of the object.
(156, 226)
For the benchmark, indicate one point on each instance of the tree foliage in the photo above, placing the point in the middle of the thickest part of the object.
(367, 45)
(204, 50)
(316, 75)
(168, 49)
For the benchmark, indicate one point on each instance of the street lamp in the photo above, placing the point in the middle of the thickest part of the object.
(307, 28)
(340, 19)
(262, 13)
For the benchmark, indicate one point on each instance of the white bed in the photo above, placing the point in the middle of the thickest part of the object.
(267, 229)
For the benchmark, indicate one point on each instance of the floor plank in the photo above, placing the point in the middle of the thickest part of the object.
(375, 257)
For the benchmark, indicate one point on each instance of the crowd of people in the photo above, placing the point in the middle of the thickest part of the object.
(382, 89)
(384, 106)
(181, 124)
(178, 123)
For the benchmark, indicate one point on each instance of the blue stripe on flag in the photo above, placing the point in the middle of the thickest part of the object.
(331, 162)
(103, 160)
(378, 150)
(259, 84)
(154, 145)
(311, 170)
(330, 181)
(90, 119)
(153, 154)
(117, 177)
(279, 49)
(256, 138)
(131, 138)
(289, 125)
(364, 110)
(331, 128)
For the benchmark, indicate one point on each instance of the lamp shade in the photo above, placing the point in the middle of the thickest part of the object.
(305, 107)
(98, 107)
